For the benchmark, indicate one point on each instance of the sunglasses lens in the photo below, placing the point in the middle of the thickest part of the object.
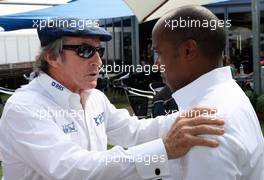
(101, 52)
(85, 52)
(88, 52)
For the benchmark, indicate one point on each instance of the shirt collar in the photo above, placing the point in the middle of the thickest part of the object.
(187, 94)
(61, 95)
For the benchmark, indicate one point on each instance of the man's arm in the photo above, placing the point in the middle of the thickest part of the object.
(214, 164)
(136, 131)
(178, 141)
(41, 145)
(239, 155)
(182, 135)
(211, 164)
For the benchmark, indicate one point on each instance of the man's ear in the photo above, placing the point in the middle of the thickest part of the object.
(51, 60)
(191, 49)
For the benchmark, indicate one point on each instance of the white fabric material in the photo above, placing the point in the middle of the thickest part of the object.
(45, 134)
(146, 14)
(240, 154)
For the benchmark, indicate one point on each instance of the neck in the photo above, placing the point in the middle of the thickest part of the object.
(209, 68)
(204, 68)
(208, 65)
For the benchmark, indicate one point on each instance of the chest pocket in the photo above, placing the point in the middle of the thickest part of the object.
(72, 129)
(69, 128)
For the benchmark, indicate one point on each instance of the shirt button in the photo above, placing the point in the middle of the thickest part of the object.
(157, 171)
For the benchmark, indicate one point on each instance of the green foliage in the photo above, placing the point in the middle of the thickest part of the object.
(262, 126)
(1, 172)
(3, 98)
(260, 104)
(252, 97)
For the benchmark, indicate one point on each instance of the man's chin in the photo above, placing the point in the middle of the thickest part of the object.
(91, 85)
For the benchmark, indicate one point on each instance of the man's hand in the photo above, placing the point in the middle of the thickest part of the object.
(183, 133)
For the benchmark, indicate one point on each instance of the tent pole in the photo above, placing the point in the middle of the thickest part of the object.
(122, 40)
(256, 46)
(106, 44)
(227, 32)
(135, 40)
(114, 40)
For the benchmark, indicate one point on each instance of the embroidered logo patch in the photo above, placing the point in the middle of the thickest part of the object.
(69, 128)
(58, 86)
(99, 119)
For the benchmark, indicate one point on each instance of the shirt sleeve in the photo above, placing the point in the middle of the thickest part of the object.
(209, 164)
(224, 162)
(41, 145)
(142, 137)
(126, 131)
(152, 159)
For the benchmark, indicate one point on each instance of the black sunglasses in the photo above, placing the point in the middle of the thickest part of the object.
(84, 50)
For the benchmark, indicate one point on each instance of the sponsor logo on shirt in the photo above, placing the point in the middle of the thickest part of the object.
(57, 85)
(69, 128)
(99, 119)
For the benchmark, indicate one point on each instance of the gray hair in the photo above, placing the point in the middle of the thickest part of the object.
(54, 49)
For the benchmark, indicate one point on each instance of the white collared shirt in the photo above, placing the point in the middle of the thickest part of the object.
(46, 134)
(240, 155)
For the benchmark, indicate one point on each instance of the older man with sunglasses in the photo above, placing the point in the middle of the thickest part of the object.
(58, 126)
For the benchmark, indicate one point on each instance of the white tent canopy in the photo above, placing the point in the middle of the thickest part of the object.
(153, 9)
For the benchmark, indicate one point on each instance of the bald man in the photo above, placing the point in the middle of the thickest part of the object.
(193, 56)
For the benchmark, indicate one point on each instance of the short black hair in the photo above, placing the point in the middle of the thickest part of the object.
(211, 41)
